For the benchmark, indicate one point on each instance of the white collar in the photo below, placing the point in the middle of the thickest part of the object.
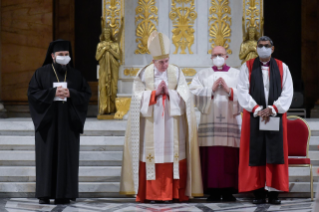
(160, 74)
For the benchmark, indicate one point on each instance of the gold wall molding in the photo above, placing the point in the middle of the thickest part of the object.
(253, 16)
(183, 19)
(113, 12)
(146, 20)
(189, 72)
(122, 107)
(252, 26)
(220, 23)
(131, 71)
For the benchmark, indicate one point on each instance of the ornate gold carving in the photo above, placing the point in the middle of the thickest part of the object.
(253, 16)
(183, 20)
(113, 13)
(131, 71)
(189, 72)
(122, 107)
(146, 15)
(220, 28)
(252, 24)
(150, 158)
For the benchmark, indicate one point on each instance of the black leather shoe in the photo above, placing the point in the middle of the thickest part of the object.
(229, 198)
(274, 201)
(61, 201)
(213, 198)
(44, 201)
(259, 201)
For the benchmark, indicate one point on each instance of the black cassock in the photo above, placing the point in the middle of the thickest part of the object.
(57, 131)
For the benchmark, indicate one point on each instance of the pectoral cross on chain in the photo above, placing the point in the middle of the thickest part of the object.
(220, 117)
(150, 158)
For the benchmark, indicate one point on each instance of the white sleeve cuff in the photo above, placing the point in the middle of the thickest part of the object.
(257, 110)
(273, 111)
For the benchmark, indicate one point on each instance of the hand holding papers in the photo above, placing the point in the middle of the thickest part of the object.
(62, 92)
(266, 122)
(271, 125)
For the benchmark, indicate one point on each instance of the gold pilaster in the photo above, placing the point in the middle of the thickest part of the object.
(253, 16)
(220, 22)
(146, 20)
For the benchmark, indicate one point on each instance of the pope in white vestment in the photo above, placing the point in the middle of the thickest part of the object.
(215, 95)
(161, 155)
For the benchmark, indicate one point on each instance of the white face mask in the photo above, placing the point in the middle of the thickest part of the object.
(218, 61)
(264, 52)
(63, 60)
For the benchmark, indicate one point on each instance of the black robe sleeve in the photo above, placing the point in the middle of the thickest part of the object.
(79, 99)
(40, 100)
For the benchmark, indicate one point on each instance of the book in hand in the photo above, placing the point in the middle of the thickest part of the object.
(58, 84)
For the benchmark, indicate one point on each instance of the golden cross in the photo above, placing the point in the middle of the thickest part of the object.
(150, 158)
(176, 156)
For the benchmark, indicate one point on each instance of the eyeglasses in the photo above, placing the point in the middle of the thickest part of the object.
(266, 46)
(219, 55)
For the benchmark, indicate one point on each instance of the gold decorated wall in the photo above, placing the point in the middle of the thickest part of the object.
(220, 24)
(26, 31)
(183, 16)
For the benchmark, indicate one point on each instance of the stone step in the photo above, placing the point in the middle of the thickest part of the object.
(97, 189)
(87, 158)
(314, 143)
(87, 143)
(92, 143)
(86, 174)
(313, 125)
(302, 174)
(113, 174)
(93, 127)
(314, 157)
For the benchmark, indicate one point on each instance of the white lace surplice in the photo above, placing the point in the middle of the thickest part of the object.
(220, 120)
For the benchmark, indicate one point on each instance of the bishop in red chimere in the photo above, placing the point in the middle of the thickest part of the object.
(265, 90)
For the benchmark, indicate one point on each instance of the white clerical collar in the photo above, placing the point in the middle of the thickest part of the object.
(264, 63)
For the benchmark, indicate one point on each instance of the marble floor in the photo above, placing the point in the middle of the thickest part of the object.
(129, 205)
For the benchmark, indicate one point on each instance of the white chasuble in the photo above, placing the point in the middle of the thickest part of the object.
(220, 120)
(161, 134)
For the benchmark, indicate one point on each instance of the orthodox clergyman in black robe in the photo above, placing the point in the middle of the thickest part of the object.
(58, 98)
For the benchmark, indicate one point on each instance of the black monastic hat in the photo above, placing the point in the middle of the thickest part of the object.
(55, 46)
